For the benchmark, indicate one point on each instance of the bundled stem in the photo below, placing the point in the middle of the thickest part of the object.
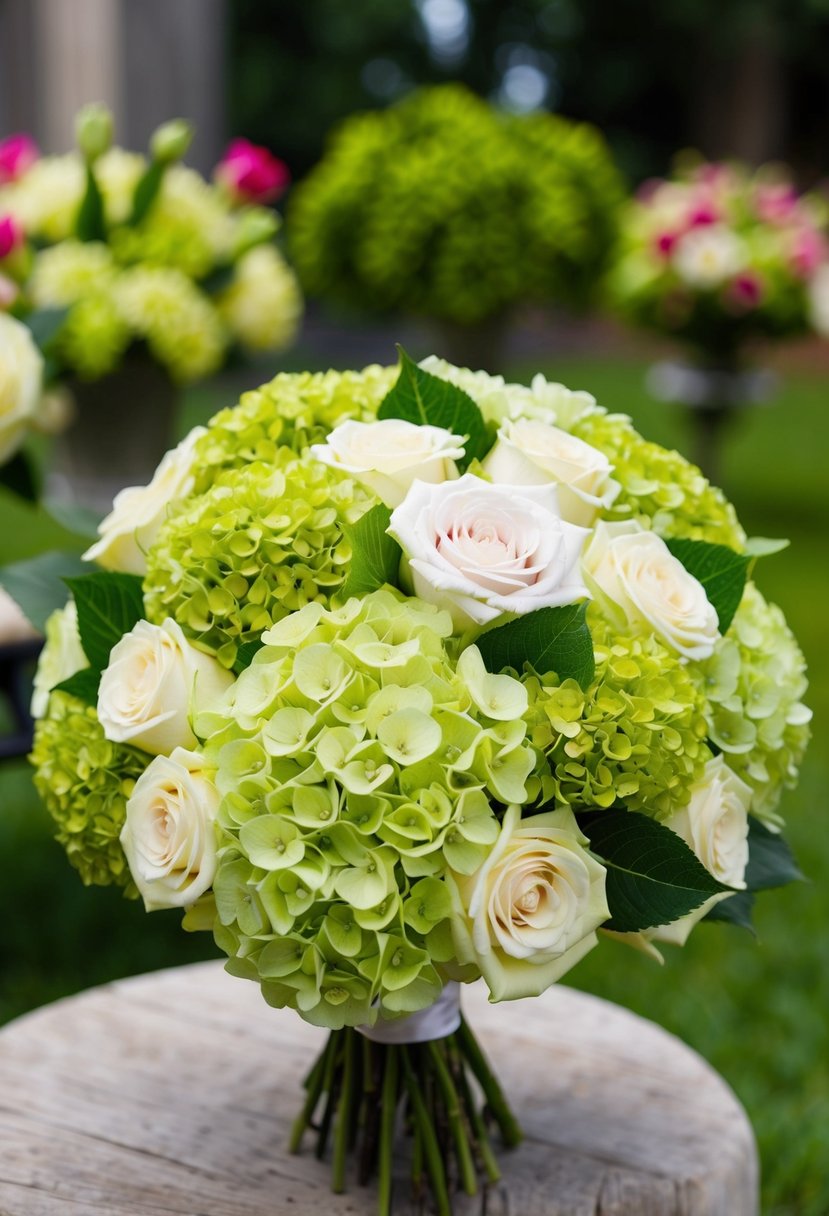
(360, 1088)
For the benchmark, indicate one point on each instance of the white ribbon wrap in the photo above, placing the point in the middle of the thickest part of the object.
(436, 1022)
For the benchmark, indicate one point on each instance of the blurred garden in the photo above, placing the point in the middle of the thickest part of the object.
(509, 187)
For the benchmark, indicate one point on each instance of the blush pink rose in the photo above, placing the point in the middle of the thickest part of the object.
(808, 251)
(776, 203)
(17, 154)
(11, 235)
(252, 173)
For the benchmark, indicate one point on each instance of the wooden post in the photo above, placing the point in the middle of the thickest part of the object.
(175, 1093)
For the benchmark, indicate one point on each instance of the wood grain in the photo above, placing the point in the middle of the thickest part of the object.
(173, 1094)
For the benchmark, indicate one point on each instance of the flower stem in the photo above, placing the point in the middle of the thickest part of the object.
(388, 1114)
(473, 1113)
(313, 1086)
(456, 1125)
(343, 1125)
(497, 1103)
(431, 1148)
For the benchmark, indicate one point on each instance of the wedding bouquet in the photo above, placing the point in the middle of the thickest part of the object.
(717, 256)
(104, 248)
(403, 678)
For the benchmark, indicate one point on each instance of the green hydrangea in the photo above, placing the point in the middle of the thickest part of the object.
(754, 685)
(636, 735)
(93, 338)
(444, 206)
(292, 411)
(357, 761)
(176, 319)
(85, 781)
(263, 541)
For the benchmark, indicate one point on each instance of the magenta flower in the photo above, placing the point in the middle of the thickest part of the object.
(664, 243)
(808, 251)
(11, 235)
(776, 202)
(744, 293)
(17, 154)
(252, 173)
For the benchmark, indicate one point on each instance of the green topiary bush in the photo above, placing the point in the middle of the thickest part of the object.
(445, 207)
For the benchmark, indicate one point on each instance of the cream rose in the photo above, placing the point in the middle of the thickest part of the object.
(482, 551)
(532, 910)
(529, 453)
(705, 257)
(21, 382)
(636, 572)
(153, 681)
(714, 825)
(139, 511)
(61, 657)
(168, 835)
(387, 456)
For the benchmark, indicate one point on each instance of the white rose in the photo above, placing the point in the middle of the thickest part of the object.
(552, 402)
(21, 381)
(387, 456)
(636, 572)
(481, 550)
(168, 834)
(532, 910)
(819, 300)
(706, 256)
(61, 657)
(153, 680)
(139, 511)
(530, 453)
(714, 825)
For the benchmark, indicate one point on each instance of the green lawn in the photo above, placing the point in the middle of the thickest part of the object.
(758, 1010)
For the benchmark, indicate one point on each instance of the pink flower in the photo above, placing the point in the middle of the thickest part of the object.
(17, 154)
(664, 243)
(776, 202)
(808, 251)
(744, 293)
(251, 173)
(703, 213)
(11, 235)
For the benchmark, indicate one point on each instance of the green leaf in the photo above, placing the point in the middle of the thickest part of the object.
(109, 605)
(763, 546)
(20, 476)
(245, 654)
(721, 571)
(218, 279)
(736, 910)
(375, 556)
(770, 860)
(653, 878)
(426, 400)
(37, 584)
(90, 224)
(83, 685)
(45, 325)
(549, 640)
(146, 192)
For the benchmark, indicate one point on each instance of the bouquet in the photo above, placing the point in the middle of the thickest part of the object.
(717, 257)
(445, 207)
(399, 679)
(102, 249)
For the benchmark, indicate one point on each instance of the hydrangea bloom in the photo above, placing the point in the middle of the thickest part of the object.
(357, 761)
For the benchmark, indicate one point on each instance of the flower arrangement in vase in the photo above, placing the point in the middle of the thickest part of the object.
(399, 679)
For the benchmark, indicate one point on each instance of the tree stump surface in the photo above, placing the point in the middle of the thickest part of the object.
(172, 1094)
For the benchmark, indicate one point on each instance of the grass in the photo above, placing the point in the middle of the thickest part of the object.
(757, 1009)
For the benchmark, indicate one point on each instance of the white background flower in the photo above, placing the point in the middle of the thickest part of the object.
(61, 657)
(21, 382)
(153, 681)
(168, 835)
(139, 511)
(531, 911)
(482, 551)
(530, 453)
(635, 571)
(387, 456)
(715, 825)
(708, 255)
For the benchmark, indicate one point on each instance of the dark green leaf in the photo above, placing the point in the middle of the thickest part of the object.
(770, 861)
(549, 640)
(83, 685)
(146, 192)
(37, 584)
(90, 224)
(245, 654)
(217, 280)
(375, 556)
(45, 325)
(721, 571)
(653, 878)
(109, 605)
(19, 476)
(736, 910)
(426, 400)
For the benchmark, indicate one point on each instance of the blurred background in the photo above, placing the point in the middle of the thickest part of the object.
(747, 79)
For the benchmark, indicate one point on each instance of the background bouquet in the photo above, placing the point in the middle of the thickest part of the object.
(401, 678)
(717, 256)
(105, 248)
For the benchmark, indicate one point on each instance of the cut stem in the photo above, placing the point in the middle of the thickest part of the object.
(466, 1165)
(342, 1131)
(497, 1103)
(388, 1115)
(431, 1148)
(313, 1085)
